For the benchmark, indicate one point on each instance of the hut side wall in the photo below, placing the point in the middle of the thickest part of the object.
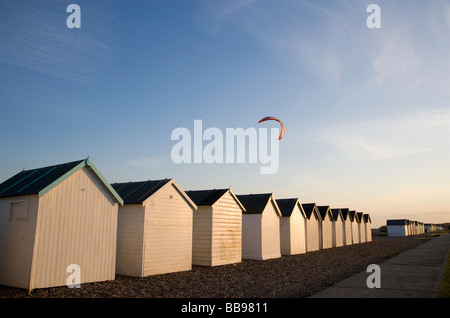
(362, 232)
(227, 231)
(130, 240)
(338, 233)
(327, 233)
(312, 234)
(368, 229)
(348, 238)
(292, 236)
(167, 232)
(251, 236)
(397, 230)
(201, 240)
(355, 232)
(271, 247)
(77, 224)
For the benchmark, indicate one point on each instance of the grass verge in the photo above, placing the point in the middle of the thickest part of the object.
(444, 291)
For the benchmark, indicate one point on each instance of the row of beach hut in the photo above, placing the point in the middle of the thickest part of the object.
(66, 214)
(405, 227)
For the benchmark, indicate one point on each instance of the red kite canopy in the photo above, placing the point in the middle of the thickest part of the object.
(273, 118)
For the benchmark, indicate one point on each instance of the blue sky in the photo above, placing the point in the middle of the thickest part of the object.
(366, 111)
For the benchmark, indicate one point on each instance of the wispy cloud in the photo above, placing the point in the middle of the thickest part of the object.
(386, 138)
(35, 36)
(331, 41)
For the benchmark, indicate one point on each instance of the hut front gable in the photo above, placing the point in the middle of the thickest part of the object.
(168, 219)
(71, 216)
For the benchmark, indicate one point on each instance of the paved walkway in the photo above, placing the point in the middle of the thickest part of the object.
(415, 273)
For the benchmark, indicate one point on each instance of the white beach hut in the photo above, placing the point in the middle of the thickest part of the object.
(55, 222)
(260, 226)
(338, 228)
(326, 227)
(355, 226)
(398, 227)
(361, 228)
(154, 232)
(313, 234)
(217, 229)
(347, 223)
(292, 227)
(368, 227)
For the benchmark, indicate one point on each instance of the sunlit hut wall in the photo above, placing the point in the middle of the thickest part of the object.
(313, 234)
(348, 239)
(260, 226)
(368, 227)
(326, 227)
(154, 232)
(217, 227)
(361, 228)
(355, 230)
(292, 227)
(338, 228)
(57, 219)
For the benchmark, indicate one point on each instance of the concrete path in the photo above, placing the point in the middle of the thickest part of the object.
(415, 273)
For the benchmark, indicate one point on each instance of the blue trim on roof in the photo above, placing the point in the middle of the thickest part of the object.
(14, 184)
(38, 178)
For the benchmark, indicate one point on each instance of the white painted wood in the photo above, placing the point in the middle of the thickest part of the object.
(226, 232)
(17, 237)
(77, 224)
(167, 232)
(271, 247)
(293, 232)
(327, 232)
(313, 233)
(338, 231)
(130, 240)
(251, 236)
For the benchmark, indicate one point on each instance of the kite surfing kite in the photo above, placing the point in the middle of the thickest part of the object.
(273, 118)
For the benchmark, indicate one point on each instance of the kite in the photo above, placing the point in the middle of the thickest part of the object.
(273, 118)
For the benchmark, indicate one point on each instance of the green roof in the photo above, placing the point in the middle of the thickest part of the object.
(41, 180)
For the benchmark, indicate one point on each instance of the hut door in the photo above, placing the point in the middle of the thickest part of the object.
(18, 251)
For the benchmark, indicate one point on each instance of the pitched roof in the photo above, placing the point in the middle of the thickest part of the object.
(397, 222)
(353, 215)
(138, 192)
(209, 197)
(367, 218)
(287, 206)
(310, 209)
(324, 210)
(256, 203)
(345, 213)
(41, 180)
(360, 217)
(336, 214)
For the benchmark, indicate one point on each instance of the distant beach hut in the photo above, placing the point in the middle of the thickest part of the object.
(217, 232)
(260, 226)
(361, 228)
(326, 227)
(355, 226)
(57, 221)
(368, 227)
(154, 232)
(397, 227)
(292, 227)
(313, 234)
(347, 223)
(338, 228)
